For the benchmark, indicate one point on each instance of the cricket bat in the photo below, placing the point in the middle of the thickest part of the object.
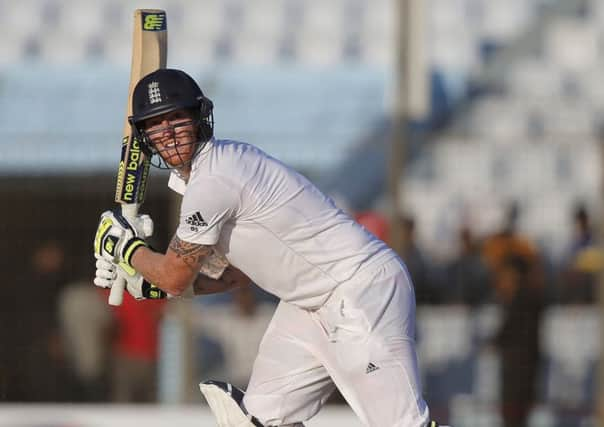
(149, 53)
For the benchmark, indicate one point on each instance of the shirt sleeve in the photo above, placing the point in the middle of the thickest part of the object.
(207, 205)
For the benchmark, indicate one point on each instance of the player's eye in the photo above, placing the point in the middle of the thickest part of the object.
(181, 121)
(156, 131)
(152, 123)
(176, 126)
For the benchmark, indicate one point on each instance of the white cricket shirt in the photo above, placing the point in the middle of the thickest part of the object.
(273, 224)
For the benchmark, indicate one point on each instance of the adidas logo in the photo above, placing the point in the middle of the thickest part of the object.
(195, 221)
(370, 368)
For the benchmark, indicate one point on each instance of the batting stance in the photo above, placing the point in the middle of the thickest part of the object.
(347, 311)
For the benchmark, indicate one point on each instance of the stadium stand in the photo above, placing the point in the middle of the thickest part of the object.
(516, 110)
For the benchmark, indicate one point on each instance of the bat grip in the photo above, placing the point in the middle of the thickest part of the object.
(116, 295)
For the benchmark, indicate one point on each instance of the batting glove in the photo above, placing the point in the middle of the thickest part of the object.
(107, 272)
(117, 238)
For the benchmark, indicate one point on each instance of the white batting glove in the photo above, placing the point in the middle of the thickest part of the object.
(107, 272)
(144, 225)
(117, 238)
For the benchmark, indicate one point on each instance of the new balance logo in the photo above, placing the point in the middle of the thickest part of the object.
(195, 221)
(370, 368)
(154, 21)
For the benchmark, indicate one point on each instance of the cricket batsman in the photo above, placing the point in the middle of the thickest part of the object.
(346, 316)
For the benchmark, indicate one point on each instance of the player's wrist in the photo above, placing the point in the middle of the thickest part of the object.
(130, 248)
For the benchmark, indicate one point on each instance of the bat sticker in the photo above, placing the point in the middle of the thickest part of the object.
(132, 173)
(154, 21)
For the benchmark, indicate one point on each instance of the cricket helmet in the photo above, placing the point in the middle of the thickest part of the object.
(166, 90)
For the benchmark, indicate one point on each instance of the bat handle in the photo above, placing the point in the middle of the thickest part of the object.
(116, 295)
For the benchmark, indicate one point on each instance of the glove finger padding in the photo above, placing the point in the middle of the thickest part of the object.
(105, 273)
(106, 267)
(103, 283)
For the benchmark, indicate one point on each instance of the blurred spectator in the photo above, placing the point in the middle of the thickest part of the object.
(86, 322)
(33, 366)
(415, 261)
(467, 278)
(237, 330)
(517, 280)
(375, 223)
(135, 351)
(520, 297)
(583, 262)
(496, 249)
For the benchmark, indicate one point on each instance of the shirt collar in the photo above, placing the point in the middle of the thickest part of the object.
(176, 182)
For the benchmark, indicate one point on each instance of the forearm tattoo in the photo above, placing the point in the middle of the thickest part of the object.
(191, 253)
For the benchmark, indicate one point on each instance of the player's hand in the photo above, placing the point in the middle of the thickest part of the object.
(136, 285)
(117, 238)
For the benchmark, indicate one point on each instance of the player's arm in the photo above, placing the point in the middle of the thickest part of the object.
(178, 269)
(230, 279)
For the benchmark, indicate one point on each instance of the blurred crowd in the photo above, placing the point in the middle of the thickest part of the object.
(509, 270)
(497, 268)
(62, 342)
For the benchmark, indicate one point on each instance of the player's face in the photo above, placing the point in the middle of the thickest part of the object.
(174, 136)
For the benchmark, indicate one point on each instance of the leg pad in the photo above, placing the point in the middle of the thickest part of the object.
(226, 402)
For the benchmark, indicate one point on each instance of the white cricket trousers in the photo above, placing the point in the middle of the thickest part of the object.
(361, 340)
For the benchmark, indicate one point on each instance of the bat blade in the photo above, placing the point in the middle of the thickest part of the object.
(149, 53)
